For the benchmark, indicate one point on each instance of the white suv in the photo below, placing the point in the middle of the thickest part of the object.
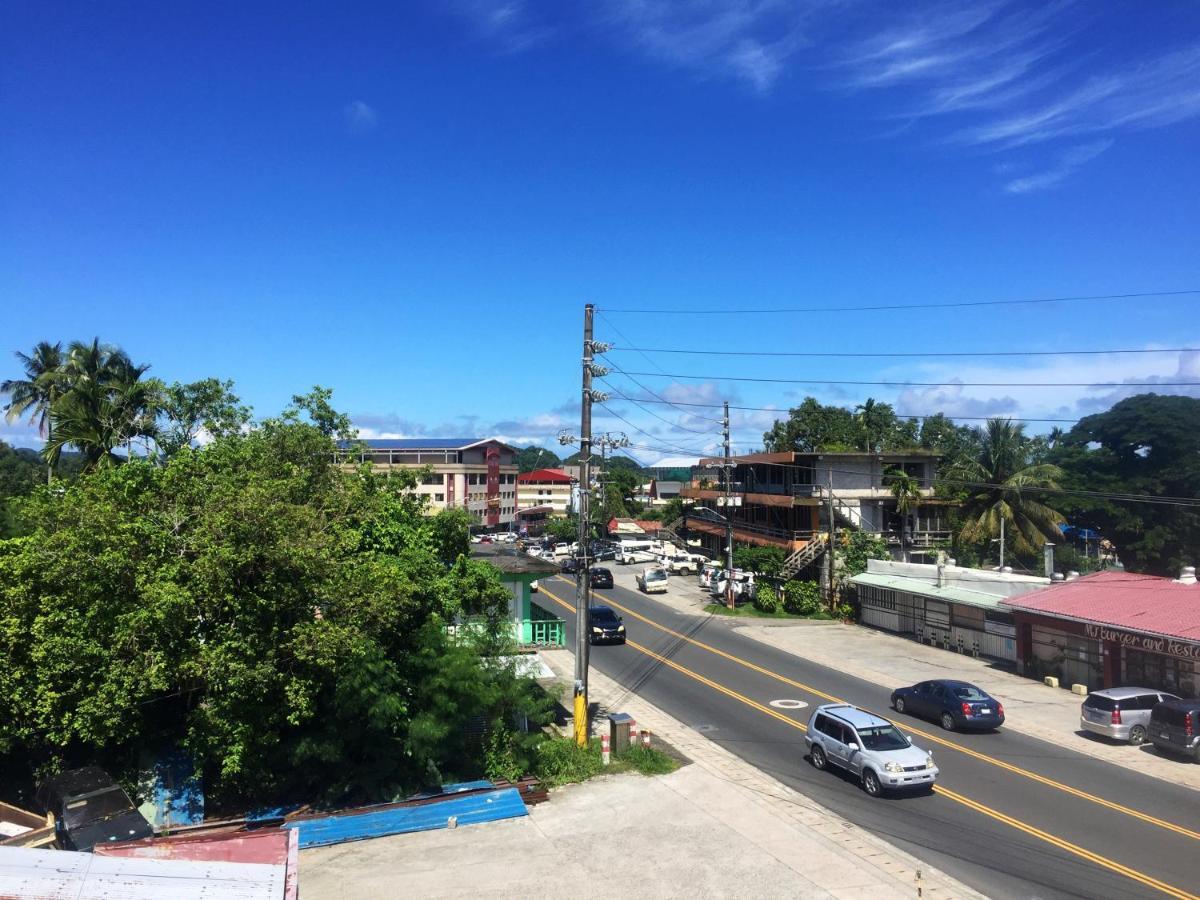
(867, 746)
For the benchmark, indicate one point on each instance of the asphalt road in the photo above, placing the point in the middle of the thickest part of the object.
(1011, 816)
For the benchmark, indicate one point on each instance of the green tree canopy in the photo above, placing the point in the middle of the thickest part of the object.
(1148, 444)
(1004, 483)
(813, 426)
(534, 457)
(281, 618)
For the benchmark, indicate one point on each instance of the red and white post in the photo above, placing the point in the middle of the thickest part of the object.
(645, 738)
(605, 752)
(633, 734)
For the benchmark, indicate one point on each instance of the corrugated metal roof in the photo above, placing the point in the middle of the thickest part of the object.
(422, 443)
(557, 476)
(924, 589)
(67, 875)
(1145, 603)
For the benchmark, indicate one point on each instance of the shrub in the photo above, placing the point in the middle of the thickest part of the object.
(766, 599)
(802, 598)
(561, 761)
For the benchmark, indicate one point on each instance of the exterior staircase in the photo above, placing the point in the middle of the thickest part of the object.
(669, 533)
(804, 557)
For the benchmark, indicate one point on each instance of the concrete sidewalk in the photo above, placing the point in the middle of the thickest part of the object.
(715, 828)
(888, 660)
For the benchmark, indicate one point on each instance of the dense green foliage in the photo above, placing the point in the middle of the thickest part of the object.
(765, 561)
(1149, 445)
(534, 457)
(282, 619)
(814, 426)
(802, 598)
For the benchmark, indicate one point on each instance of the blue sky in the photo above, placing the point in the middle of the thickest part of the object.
(412, 206)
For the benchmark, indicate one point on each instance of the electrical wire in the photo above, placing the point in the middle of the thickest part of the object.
(854, 355)
(732, 311)
(776, 409)
(675, 449)
(902, 384)
(651, 412)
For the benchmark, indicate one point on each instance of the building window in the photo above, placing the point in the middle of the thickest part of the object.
(439, 498)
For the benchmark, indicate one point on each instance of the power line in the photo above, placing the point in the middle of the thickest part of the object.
(887, 306)
(651, 412)
(829, 355)
(675, 449)
(776, 409)
(902, 384)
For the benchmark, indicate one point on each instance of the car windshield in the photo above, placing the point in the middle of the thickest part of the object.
(101, 806)
(968, 692)
(602, 615)
(1098, 701)
(882, 737)
(656, 575)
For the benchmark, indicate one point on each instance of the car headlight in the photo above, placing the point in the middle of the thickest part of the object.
(620, 628)
(929, 762)
(893, 767)
(596, 630)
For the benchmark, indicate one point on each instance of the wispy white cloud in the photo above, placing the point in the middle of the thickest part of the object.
(749, 40)
(359, 117)
(509, 25)
(1068, 162)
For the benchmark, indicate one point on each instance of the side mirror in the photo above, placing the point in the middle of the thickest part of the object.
(853, 747)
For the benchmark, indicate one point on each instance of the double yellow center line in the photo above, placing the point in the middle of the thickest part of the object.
(952, 795)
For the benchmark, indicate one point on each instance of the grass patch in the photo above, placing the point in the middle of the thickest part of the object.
(748, 611)
(560, 761)
(647, 760)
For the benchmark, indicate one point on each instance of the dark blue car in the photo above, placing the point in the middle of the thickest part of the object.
(956, 704)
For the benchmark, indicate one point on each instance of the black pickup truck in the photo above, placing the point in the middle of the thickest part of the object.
(90, 808)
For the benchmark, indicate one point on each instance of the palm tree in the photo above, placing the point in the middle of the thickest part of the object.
(36, 393)
(1002, 484)
(107, 405)
(907, 491)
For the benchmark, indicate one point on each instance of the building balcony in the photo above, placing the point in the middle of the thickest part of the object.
(758, 535)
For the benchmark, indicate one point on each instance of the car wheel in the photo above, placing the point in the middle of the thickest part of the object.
(1137, 735)
(818, 757)
(899, 704)
(947, 721)
(871, 783)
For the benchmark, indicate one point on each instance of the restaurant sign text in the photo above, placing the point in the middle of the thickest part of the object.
(1145, 642)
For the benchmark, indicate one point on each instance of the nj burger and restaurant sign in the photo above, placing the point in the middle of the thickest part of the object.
(1145, 642)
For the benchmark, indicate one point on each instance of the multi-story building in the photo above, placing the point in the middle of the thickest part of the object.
(783, 500)
(475, 474)
(546, 488)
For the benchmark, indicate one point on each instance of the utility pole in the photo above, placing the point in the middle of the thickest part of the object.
(583, 581)
(829, 552)
(728, 512)
(1001, 543)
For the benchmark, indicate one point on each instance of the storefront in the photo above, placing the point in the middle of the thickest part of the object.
(1112, 629)
(963, 613)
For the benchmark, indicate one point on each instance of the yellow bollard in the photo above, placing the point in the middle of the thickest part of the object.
(581, 723)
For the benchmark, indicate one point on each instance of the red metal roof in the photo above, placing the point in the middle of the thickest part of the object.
(1145, 603)
(558, 476)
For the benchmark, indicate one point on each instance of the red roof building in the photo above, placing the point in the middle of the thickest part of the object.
(552, 488)
(544, 476)
(1110, 629)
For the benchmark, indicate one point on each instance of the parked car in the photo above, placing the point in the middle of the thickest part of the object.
(1121, 713)
(652, 580)
(678, 563)
(485, 539)
(707, 572)
(601, 577)
(865, 745)
(90, 808)
(536, 551)
(744, 587)
(1175, 727)
(569, 566)
(956, 704)
(604, 554)
(606, 626)
(562, 549)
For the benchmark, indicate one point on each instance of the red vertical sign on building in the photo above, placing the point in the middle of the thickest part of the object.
(493, 486)
(450, 490)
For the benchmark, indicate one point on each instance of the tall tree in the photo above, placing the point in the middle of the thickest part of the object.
(208, 407)
(1004, 483)
(813, 426)
(35, 394)
(907, 491)
(535, 457)
(1148, 444)
(106, 405)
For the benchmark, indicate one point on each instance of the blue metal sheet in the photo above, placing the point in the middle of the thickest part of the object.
(505, 803)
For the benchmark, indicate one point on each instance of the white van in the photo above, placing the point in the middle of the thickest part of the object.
(653, 580)
(562, 549)
(708, 573)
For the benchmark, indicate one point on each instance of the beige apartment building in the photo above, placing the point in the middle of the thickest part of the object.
(476, 474)
(552, 488)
